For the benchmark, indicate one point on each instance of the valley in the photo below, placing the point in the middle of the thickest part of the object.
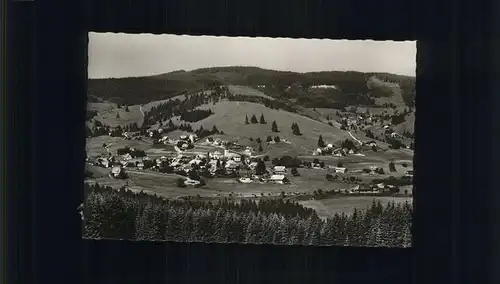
(331, 141)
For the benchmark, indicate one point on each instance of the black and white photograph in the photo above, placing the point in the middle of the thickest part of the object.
(249, 140)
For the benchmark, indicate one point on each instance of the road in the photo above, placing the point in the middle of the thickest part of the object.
(356, 139)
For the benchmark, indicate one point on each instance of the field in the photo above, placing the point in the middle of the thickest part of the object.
(328, 207)
(94, 145)
(165, 185)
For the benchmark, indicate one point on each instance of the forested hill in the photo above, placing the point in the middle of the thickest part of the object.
(350, 87)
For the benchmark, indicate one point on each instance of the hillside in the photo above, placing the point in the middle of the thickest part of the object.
(350, 87)
(408, 125)
(230, 118)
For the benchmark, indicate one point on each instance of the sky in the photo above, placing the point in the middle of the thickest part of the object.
(115, 55)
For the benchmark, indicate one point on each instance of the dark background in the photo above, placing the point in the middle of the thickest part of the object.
(45, 94)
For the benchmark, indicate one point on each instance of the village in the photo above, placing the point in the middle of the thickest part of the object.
(195, 160)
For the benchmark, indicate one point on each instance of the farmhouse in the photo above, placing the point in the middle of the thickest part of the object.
(231, 165)
(191, 182)
(280, 179)
(193, 138)
(279, 170)
(102, 162)
(408, 175)
(216, 155)
(117, 172)
(194, 161)
(340, 170)
(245, 180)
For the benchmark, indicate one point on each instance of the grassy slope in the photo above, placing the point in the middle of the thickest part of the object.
(230, 118)
(408, 125)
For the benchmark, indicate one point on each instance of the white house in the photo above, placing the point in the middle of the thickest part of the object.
(116, 171)
(245, 180)
(231, 164)
(216, 155)
(103, 162)
(317, 152)
(127, 157)
(140, 165)
(329, 146)
(191, 182)
(193, 137)
(194, 161)
(409, 174)
(340, 170)
(280, 179)
(279, 169)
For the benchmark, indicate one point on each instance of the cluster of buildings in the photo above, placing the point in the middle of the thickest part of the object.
(331, 150)
(379, 188)
(276, 175)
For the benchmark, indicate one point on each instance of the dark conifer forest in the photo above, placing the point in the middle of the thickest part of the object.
(123, 214)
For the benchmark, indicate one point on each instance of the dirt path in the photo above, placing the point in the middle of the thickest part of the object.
(356, 139)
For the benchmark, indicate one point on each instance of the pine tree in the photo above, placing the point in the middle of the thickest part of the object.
(254, 120)
(274, 127)
(215, 130)
(262, 119)
(277, 139)
(281, 235)
(392, 167)
(117, 115)
(246, 119)
(321, 143)
(295, 129)
(260, 148)
(253, 230)
(260, 169)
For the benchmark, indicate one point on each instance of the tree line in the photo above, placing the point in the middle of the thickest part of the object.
(196, 115)
(122, 214)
